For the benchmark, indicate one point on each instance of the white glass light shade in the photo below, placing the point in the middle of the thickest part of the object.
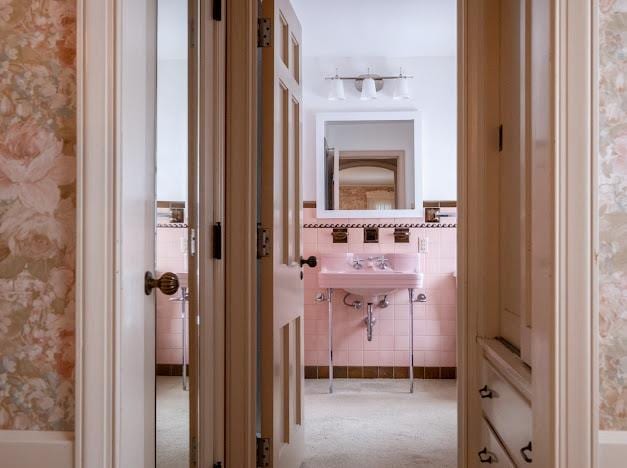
(368, 89)
(401, 91)
(336, 90)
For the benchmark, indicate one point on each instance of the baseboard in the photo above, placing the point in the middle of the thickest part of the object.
(34, 449)
(612, 449)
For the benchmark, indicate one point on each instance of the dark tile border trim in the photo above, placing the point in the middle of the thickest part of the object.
(171, 370)
(425, 204)
(380, 225)
(381, 372)
(172, 225)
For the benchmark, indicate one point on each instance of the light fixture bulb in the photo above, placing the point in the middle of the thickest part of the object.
(401, 90)
(368, 89)
(336, 89)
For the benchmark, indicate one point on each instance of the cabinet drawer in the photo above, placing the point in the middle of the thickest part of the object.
(508, 412)
(491, 451)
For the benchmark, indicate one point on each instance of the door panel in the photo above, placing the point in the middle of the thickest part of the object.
(135, 324)
(281, 213)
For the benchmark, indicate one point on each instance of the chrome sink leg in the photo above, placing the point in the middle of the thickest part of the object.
(330, 304)
(411, 341)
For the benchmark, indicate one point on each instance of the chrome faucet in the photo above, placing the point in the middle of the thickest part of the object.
(381, 262)
(357, 265)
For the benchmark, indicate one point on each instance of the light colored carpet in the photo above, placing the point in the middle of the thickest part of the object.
(378, 424)
(172, 423)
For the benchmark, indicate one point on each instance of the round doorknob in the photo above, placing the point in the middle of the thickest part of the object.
(168, 284)
(311, 262)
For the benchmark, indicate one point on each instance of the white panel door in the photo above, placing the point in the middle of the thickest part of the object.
(135, 166)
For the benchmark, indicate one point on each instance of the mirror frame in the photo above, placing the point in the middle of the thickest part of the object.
(375, 116)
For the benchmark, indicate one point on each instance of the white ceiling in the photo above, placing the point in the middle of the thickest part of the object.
(390, 28)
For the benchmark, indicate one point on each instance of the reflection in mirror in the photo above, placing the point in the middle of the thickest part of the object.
(369, 165)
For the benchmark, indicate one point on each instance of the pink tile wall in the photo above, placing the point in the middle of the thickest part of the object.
(171, 256)
(434, 321)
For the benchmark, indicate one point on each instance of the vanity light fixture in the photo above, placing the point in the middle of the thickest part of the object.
(368, 85)
(401, 91)
(336, 88)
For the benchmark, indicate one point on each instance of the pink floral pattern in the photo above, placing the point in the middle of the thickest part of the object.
(37, 213)
(613, 214)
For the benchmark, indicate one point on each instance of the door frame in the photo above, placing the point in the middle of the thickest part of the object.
(98, 361)
(565, 418)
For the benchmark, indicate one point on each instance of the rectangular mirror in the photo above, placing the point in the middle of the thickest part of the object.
(369, 165)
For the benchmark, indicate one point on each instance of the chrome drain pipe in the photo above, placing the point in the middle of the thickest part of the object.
(370, 321)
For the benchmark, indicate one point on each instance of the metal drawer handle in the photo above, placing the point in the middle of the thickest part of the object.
(485, 456)
(485, 392)
(526, 449)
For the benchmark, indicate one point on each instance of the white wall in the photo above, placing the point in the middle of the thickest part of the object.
(172, 100)
(434, 92)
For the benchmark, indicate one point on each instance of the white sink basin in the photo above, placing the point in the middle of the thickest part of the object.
(401, 271)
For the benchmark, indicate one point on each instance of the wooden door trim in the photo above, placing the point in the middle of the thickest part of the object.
(207, 58)
(240, 232)
(95, 249)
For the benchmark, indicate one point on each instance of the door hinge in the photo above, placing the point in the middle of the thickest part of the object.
(500, 138)
(217, 241)
(264, 32)
(192, 242)
(194, 452)
(263, 242)
(217, 10)
(192, 33)
(263, 452)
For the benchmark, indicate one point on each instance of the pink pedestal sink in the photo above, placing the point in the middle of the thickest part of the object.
(370, 276)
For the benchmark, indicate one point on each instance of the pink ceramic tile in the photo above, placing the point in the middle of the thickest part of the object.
(448, 327)
(432, 343)
(340, 358)
(419, 358)
(371, 358)
(405, 248)
(311, 358)
(169, 325)
(401, 358)
(401, 327)
(432, 327)
(448, 312)
(373, 344)
(309, 215)
(310, 236)
(421, 343)
(355, 235)
(401, 342)
(401, 312)
(324, 236)
(311, 342)
(355, 358)
(386, 342)
(372, 248)
(323, 357)
(386, 358)
(420, 327)
(356, 248)
(169, 356)
(448, 359)
(310, 249)
(448, 265)
(169, 340)
(384, 327)
(355, 339)
(433, 358)
(449, 343)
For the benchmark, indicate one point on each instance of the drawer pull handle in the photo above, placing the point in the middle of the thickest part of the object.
(485, 392)
(526, 453)
(485, 456)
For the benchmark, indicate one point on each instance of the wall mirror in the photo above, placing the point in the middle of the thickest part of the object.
(369, 165)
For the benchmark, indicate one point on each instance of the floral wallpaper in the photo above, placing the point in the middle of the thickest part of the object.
(613, 214)
(37, 213)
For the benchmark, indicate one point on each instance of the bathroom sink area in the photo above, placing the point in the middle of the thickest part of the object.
(370, 275)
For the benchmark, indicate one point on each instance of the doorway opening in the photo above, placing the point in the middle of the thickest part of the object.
(172, 368)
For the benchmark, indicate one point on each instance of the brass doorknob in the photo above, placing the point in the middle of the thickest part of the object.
(168, 284)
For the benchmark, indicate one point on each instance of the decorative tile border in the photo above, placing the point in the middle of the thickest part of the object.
(170, 370)
(380, 225)
(379, 372)
(173, 225)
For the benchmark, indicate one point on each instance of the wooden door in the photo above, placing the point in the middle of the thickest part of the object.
(281, 285)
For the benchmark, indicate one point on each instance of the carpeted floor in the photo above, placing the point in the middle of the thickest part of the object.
(172, 423)
(378, 424)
